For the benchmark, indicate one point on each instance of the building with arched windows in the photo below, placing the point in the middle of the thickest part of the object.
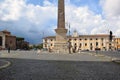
(83, 42)
(117, 40)
(7, 40)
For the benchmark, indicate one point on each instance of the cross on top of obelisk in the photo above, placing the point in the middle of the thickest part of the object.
(61, 14)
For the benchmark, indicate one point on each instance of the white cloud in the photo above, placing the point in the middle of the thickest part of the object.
(87, 22)
(111, 7)
(11, 10)
(25, 19)
(84, 20)
(30, 21)
(111, 11)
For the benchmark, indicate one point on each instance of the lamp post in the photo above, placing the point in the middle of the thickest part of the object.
(69, 43)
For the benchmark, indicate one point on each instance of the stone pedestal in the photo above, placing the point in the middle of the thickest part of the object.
(61, 41)
(61, 48)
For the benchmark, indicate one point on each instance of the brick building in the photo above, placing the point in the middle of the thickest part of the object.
(7, 40)
(21, 44)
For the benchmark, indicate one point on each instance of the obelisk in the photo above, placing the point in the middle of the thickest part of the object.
(61, 31)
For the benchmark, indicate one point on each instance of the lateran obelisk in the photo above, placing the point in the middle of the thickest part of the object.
(61, 31)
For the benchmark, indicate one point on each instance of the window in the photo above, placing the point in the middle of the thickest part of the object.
(85, 44)
(96, 38)
(85, 39)
(80, 45)
(102, 44)
(91, 47)
(45, 40)
(51, 39)
(51, 44)
(90, 38)
(75, 39)
(45, 45)
(90, 44)
(96, 43)
(80, 39)
(102, 39)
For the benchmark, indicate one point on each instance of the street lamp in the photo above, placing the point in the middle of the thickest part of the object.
(69, 41)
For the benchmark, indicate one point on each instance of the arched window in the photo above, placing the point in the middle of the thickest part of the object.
(80, 45)
(96, 43)
(85, 44)
(85, 38)
(90, 44)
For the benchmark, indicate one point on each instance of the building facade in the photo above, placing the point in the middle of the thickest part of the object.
(21, 43)
(83, 42)
(7, 40)
(117, 40)
(2, 40)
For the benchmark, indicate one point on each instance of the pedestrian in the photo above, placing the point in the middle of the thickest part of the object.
(8, 49)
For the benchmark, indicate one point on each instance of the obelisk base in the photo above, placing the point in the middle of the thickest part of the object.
(61, 41)
(61, 48)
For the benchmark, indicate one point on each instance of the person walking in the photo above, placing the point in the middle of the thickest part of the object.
(8, 49)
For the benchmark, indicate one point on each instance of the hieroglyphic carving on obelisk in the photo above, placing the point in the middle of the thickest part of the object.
(61, 31)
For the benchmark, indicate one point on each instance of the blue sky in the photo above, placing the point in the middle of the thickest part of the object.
(92, 4)
(31, 18)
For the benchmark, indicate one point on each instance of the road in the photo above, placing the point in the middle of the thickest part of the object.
(33, 66)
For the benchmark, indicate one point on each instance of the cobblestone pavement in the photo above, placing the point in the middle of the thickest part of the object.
(33, 66)
(114, 54)
(2, 63)
(26, 69)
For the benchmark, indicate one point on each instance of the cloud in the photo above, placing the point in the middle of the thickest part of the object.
(88, 22)
(84, 20)
(31, 21)
(27, 20)
(11, 10)
(111, 8)
(111, 11)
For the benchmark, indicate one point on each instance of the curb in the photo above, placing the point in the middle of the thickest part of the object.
(116, 61)
(107, 57)
(6, 65)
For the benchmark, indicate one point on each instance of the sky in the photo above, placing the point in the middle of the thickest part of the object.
(35, 19)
